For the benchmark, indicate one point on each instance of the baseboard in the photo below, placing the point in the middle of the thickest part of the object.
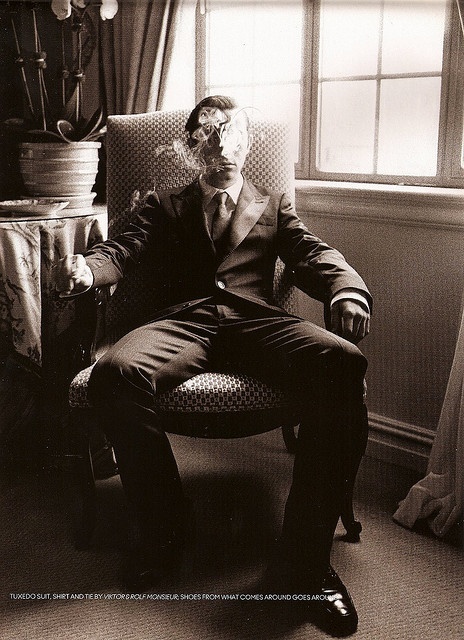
(399, 443)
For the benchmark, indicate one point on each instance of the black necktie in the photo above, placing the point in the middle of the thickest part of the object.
(221, 218)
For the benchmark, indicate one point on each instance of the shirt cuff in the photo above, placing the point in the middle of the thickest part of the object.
(351, 294)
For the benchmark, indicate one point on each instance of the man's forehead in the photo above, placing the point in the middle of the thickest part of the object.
(217, 117)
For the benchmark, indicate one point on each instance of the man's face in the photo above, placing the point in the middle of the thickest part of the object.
(222, 142)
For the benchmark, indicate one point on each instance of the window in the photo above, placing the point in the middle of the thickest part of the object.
(252, 51)
(371, 88)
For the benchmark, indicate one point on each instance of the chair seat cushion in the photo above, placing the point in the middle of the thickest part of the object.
(208, 392)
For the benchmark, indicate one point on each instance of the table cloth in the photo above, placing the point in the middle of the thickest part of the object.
(32, 316)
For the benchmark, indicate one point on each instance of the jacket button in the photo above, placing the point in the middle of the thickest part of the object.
(221, 284)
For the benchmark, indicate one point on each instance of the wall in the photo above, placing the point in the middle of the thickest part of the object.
(408, 245)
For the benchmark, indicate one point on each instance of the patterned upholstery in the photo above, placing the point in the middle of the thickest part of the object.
(207, 392)
(136, 162)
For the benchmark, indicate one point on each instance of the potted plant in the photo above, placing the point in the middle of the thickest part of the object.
(59, 146)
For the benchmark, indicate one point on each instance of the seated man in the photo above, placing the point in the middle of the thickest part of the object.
(213, 245)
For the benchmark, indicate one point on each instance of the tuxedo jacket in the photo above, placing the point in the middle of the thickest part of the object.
(170, 236)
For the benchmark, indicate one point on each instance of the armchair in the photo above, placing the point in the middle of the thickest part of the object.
(210, 405)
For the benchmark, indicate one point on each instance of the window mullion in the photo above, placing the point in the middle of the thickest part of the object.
(312, 73)
(451, 119)
(201, 62)
(308, 104)
(375, 159)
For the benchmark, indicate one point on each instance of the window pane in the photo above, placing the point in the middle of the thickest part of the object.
(277, 41)
(254, 55)
(230, 45)
(349, 38)
(413, 36)
(254, 42)
(347, 126)
(408, 132)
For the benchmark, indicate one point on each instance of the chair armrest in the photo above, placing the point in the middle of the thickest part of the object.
(85, 324)
(103, 294)
(102, 297)
(89, 326)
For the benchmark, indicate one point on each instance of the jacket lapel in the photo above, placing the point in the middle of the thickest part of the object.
(250, 207)
(187, 205)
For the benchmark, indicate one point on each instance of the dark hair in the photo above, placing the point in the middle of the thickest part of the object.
(219, 102)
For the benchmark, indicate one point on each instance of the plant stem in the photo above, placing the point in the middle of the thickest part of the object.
(79, 80)
(20, 61)
(42, 93)
(63, 57)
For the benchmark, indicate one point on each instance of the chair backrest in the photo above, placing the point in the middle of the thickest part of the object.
(139, 159)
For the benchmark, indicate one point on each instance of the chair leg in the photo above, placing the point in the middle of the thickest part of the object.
(353, 527)
(290, 437)
(87, 489)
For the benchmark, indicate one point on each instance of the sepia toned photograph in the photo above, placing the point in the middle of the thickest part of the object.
(231, 319)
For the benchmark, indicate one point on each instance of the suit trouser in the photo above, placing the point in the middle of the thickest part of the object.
(322, 372)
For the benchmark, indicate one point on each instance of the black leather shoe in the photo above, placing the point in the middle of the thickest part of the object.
(325, 600)
(333, 610)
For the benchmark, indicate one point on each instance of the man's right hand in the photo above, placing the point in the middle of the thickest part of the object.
(72, 275)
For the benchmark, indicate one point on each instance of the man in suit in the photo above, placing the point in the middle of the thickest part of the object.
(213, 247)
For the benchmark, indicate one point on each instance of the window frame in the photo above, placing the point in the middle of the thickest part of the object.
(450, 172)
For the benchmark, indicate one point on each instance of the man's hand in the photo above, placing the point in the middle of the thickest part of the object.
(72, 275)
(349, 320)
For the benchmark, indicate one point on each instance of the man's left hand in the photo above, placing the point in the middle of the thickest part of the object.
(349, 320)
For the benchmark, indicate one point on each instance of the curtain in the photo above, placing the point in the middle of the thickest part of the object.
(136, 51)
(439, 496)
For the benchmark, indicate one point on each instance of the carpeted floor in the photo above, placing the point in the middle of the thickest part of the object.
(406, 585)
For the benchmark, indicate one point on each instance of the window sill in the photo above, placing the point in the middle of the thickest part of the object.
(429, 206)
